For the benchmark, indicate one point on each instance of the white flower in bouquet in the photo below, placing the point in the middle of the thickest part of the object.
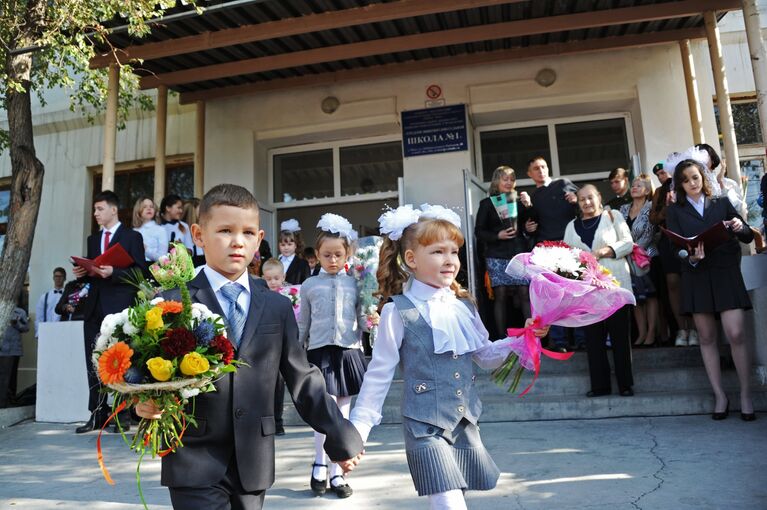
(129, 329)
(156, 300)
(189, 392)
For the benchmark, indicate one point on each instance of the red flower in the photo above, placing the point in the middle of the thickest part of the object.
(178, 342)
(553, 244)
(223, 346)
(293, 291)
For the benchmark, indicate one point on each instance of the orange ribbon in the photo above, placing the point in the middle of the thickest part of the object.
(99, 453)
(534, 348)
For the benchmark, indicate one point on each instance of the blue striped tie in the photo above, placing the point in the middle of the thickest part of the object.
(235, 314)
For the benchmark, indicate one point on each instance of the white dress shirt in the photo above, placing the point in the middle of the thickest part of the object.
(45, 311)
(175, 233)
(378, 377)
(698, 205)
(155, 240)
(111, 235)
(286, 261)
(217, 280)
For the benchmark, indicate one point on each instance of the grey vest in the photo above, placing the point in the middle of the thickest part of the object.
(438, 388)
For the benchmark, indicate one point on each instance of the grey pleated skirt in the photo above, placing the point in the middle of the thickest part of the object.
(443, 460)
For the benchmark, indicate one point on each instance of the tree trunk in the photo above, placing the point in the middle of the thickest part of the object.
(26, 189)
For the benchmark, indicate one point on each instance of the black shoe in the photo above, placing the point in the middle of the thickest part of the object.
(721, 416)
(748, 416)
(94, 423)
(598, 393)
(319, 487)
(627, 392)
(558, 349)
(280, 430)
(343, 490)
(124, 424)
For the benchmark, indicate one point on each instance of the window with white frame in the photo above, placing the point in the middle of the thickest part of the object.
(335, 172)
(582, 148)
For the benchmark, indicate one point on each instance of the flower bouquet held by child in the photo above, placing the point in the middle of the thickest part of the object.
(164, 351)
(365, 269)
(568, 287)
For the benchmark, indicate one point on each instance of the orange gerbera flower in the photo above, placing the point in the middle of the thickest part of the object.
(170, 307)
(114, 362)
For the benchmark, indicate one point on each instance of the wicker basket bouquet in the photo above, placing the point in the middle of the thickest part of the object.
(163, 350)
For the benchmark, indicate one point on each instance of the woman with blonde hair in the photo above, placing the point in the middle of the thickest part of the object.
(190, 216)
(637, 216)
(144, 222)
(496, 226)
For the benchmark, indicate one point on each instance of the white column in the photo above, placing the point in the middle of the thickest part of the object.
(722, 97)
(199, 151)
(693, 98)
(758, 52)
(110, 129)
(159, 147)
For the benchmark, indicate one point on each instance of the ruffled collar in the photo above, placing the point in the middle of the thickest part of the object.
(454, 327)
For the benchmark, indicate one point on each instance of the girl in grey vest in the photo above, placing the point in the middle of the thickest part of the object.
(431, 328)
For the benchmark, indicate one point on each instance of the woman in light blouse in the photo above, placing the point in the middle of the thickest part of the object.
(606, 235)
(155, 236)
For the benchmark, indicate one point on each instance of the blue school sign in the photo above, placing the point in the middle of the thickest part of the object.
(434, 130)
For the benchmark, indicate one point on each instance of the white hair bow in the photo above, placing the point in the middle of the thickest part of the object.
(290, 225)
(337, 224)
(394, 221)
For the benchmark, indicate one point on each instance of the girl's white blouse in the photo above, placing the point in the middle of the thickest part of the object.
(155, 240)
(378, 377)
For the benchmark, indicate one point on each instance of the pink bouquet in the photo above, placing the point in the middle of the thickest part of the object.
(292, 292)
(568, 287)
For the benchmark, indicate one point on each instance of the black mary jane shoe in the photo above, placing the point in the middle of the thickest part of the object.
(598, 393)
(319, 487)
(748, 416)
(627, 392)
(721, 416)
(343, 490)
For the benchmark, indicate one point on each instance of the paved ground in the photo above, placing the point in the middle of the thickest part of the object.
(688, 462)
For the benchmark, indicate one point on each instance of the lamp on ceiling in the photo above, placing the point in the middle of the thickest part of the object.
(330, 104)
(546, 77)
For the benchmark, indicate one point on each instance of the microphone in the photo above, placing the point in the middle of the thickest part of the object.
(683, 254)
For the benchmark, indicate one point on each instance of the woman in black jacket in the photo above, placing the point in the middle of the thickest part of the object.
(711, 279)
(496, 226)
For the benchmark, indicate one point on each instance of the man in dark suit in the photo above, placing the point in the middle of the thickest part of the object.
(227, 460)
(108, 292)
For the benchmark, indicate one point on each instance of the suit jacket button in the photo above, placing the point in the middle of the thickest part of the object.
(460, 409)
(455, 356)
(457, 375)
(238, 413)
(459, 392)
(430, 430)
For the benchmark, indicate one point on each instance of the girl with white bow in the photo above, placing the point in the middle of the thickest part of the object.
(330, 325)
(431, 327)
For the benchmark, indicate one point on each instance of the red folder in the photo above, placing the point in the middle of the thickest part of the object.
(711, 238)
(115, 256)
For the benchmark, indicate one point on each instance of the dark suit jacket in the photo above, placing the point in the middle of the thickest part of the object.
(238, 418)
(112, 295)
(683, 219)
(298, 271)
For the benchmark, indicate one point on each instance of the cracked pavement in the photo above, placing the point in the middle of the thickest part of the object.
(679, 463)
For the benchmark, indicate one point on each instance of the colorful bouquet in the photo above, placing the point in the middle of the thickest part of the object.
(365, 269)
(161, 350)
(568, 287)
(292, 292)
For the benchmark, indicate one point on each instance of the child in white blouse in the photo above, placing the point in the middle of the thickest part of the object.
(431, 327)
(155, 236)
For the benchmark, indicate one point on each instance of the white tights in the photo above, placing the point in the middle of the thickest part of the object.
(344, 404)
(450, 500)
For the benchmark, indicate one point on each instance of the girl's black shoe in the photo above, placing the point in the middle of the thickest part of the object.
(748, 416)
(598, 393)
(721, 416)
(319, 487)
(342, 490)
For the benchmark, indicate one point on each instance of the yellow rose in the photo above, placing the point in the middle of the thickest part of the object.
(154, 319)
(194, 363)
(161, 369)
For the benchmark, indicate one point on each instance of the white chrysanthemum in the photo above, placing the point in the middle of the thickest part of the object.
(189, 392)
(156, 300)
(108, 324)
(569, 264)
(394, 221)
(201, 312)
(101, 343)
(129, 329)
(439, 212)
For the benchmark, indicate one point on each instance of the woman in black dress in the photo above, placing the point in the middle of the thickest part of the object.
(502, 242)
(711, 280)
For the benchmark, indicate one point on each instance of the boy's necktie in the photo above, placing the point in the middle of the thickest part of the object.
(235, 314)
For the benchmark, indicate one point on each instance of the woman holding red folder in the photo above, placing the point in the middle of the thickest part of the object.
(711, 279)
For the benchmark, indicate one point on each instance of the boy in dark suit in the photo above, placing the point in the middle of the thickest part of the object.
(227, 461)
(108, 292)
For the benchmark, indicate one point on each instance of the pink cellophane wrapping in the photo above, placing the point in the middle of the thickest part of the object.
(561, 301)
(640, 256)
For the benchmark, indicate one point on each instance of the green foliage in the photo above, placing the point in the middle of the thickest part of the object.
(63, 34)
